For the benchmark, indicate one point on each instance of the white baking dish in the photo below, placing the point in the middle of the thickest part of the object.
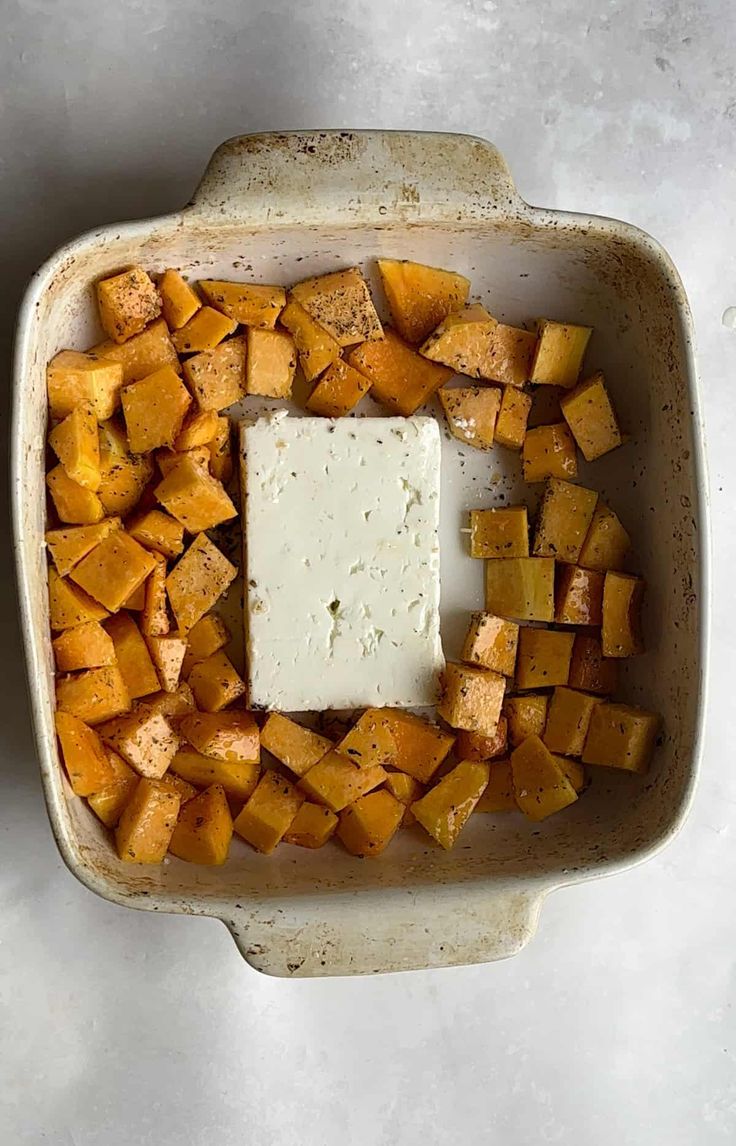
(280, 207)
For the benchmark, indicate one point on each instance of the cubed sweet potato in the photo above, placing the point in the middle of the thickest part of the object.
(336, 782)
(399, 377)
(568, 719)
(446, 808)
(248, 303)
(606, 543)
(157, 531)
(237, 777)
(269, 812)
(317, 349)
(521, 587)
(341, 303)
(229, 736)
(540, 785)
(621, 736)
(127, 303)
(144, 738)
(113, 569)
(167, 653)
(204, 331)
(215, 683)
(94, 695)
(178, 300)
(85, 646)
(588, 411)
(420, 747)
(525, 716)
(621, 634)
(85, 759)
(369, 824)
(559, 354)
(474, 746)
(338, 391)
(490, 643)
(549, 452)
(370, 741)
(471, 698)
(70, 606)
(132, 655)
(140, 355)
(195, 583)
(74, 378)
(74, 504)
(270, 362)
(513, 415)
(589, 669)
(76, 443)
(147, 823)
(564, 518)
(217, 377)
(198, 430)
(499, 532)
(194, 497)
(471, 412)
(543, 659)
(312, 826)
(292, 744)
(68, 546)
(204, 828)
(579, 596)
(154, 410)
(420, 297)
(499, 792)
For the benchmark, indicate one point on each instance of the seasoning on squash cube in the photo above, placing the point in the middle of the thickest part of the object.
(132, 655)
(399, 377)
(512, 351)
(221, 455)
(270, 363)
(141, 355)
(154, 410)
(127, 303)
(145, 739)
(85, 759)
(74, 378)
(420, 747)
(69, 606)
(621, 634)
(217, 377)
(198, 579)
(589, 413)
(203, 639)
(108, 803)
(501, 532)
(229, 736)
(292, 744)
(491, 643)
(82, 647)
(568, 718)
(471, 698)
(317, 349)
(311, 827)
(269, 813)
(560, 351)
(251, 304)
(74, 504)
(369, 825)
(420, 297)
(194, 497)
(370, 741)
(590, 671)
(464, 342)
(113, 569)
(521, 587)
(471, 413)
(174, 704)
(68, 546)
(167, 653)
(204, 828)
(606, 543)
(204, 331)
(158, 531)
(147, 823)
(76, 443)
(541, 787)
(238, 777)
(168, 460)
(215, 683)
(579, 596)
(513, 415)
(182, 788)
(621, 736)
(94, 695)
(564, 518)
(336, 782)
(573, 771)
(446, 808)
(474, 746)
(405, 788)
(338, 391)
(543, 658)
(341, 303)
(198, 430)
(549, 452)
(499, 794)
(154, 620)
(123, 475)
(179, 302)
(526, 716)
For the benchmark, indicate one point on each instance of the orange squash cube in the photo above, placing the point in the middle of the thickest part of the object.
(420, 747)
(543, 659)
(491, 643)
(621, 736)
(221, 454)
(174, 704)
(573, 770)
(521, 587)
(215, 683)
(269, 812)
(336, 782)
(499, 532)
(513, 415)
(69, 606)
(590, 671)
(549, 452)
(338, 391)
(127, 303)
(370, 741)
(85, 759)
(316, 348)
(512, 350)
(74, 504)
(564, 518)
(229, 736)
(399, 377)
(568, 719)
(579, 596)
(405, 788)
(606, 543)
(621, 634)
(237, 777)
(76, 443)
(311, 827)
(123, 476)
(559, 354)
(159, 532)
(270, 362)
(132, 655)
(474, 746)
(204, 331)
(341, 303)
(540, 785)
(198, 430)
(369, 825)
(113, 570)
(108, 803)
(464, 342)
(154, 615)
(168, 460)
(588, 411)
(178, 301)
(147, 823)
(194, 497)
(446, 808)
(94, 695)
(140, 355)
(499, 794)
(204, 828)
(248, 303)
(471, 412)
(471, 698)
(154, 410)
(292, 744)
(68, 546)
(167, 653)
(85, 646)
(420, 297)
(145, 740)
(73, 379)
(182, 788)
(205, 638)
(196, 582)
(526, 716)
(217, 377)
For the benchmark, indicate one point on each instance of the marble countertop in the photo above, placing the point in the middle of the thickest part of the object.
(616, 1025)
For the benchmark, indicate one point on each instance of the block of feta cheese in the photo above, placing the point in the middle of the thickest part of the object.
(342, 563)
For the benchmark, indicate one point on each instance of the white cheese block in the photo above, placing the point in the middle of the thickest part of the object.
(342, 563)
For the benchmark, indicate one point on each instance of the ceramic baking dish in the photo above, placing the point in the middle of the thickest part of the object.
(277, 208)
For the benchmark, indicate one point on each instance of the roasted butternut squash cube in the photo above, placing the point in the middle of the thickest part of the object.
(543, 659)
(464, 342)
(194, 497)
(178, 300)
(499, 793)
(606, 543)
(526, 716)
(292, 744)
(471, 698)
(501, 532)
(559, 354)
(336, 782)
(420, 747)
(474, 746)
(94, 695)
(513, 415)
(573, 770)
(248, 303)
(568, 718)
(69, 606)
(108, 803)
(182, 788)
(85, 646)
(405, 788)
(217, 377)
(621, 634)
(512, 351)
(215, 683)
(317, 349)
(141, 355)
(368, 826)
(312, 826)
(471, 412)
(237, 777)
(137, 600)
(145, 739)
(147, 823)
(204, 331)
(85, 759)
(621, 736)
(521, 587)
(270, 363)
(370, 741)
(167, 653)
(579, 596)
(113, 569)
(204, 828)
(565, 514)
(174, 704)
(338, 391)
(74, 379)
(341, 303)
(124, 476)
(589, 669)
(269, 813)
(420, 297)
(196, 582)
(157, 531)
(205, 638)
(68, 546)
(133, 659)
(589, 413)
(127, 303)
(155, 409)
(229, 736)
(154, 620)
(491, 643)
(74, 504)
(399, 377)
(76, 443)
(446, 808)
(168, 460)
(549, 452)
(540, 785)
(198, 430)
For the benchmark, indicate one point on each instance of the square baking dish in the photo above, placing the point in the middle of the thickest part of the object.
(280, 207)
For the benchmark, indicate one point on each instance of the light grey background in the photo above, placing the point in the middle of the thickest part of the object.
(616, 1026)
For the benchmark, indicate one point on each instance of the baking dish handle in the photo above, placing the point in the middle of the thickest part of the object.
(355, 177)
